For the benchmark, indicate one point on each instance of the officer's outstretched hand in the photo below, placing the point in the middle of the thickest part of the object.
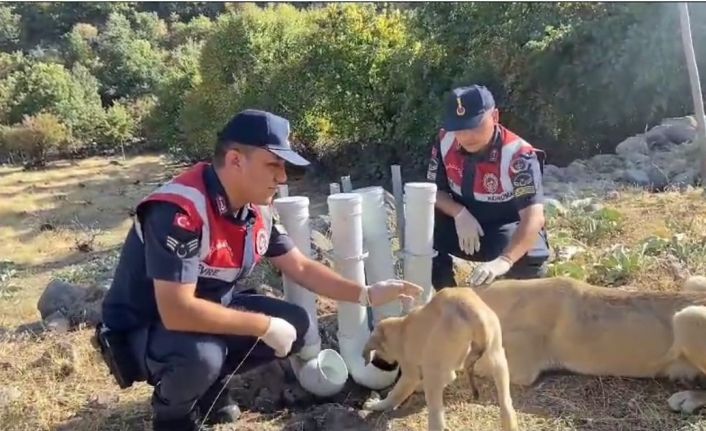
(469, 231)
(487, 272)
(280, 336)
(385, 291)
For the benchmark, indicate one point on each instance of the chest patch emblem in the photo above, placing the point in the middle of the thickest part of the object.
(261, 242)
(490, 182)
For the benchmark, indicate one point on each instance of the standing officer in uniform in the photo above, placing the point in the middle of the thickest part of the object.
(176, 315)
(489, 205)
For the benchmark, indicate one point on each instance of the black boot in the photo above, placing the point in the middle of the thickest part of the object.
(188, 423)
(224, 410)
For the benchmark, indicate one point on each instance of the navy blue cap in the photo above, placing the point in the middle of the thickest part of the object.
(262, 129)
(465, 107)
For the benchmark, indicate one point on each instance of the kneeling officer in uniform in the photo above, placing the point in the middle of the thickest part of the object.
(176, 315)
(489, 205)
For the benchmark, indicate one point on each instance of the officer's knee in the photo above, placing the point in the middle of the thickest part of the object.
(527, 270)
(299, 318)
(202, 363)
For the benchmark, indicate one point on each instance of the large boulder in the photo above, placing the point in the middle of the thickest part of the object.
(77, 305)
(664, 156)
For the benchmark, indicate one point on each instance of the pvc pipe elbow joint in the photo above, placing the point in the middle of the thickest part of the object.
(324, 375)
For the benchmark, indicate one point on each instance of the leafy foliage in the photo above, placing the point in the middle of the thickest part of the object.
(362, 84)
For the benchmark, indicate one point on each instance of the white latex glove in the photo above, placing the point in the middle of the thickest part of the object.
(488, 271)
(385, 291)
(469, 232)
(280, 335)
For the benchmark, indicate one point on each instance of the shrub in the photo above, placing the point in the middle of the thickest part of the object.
(36, 137)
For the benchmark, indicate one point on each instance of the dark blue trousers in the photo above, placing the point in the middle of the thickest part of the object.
(185, 366)
(492, 243)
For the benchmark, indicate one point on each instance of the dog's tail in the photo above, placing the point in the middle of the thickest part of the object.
(475, 353)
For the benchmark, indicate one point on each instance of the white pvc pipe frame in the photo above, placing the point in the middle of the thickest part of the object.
(362, 253)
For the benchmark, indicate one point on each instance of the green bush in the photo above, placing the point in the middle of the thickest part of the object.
(117, 129)
(362, 84)
(162, 128)
(70, 95)
(130, 66)
(35, 138)
(243, 64)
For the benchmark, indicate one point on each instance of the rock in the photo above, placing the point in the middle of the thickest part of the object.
(657, 178)
(606, 163)
(552, 172)
(296, 396)
(632, 145)
(636, 177)
(265, 401)
(77, 304)
(580, 203)
(59, 296)
(612, 195)
(680, 130)
(575, 171)
(33, 328)
(687, 178)
(656, 138)
(103, 400)
(565, 254)
(635, 159)
(57, 323)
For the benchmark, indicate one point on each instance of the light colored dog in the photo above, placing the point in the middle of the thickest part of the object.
(434, 341)
(565, 324)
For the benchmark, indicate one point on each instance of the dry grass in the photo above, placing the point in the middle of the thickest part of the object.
(56, 382)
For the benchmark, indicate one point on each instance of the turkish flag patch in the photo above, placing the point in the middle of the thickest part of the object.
(184, 221)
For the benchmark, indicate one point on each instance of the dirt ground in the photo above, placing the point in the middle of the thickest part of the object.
(68, 220)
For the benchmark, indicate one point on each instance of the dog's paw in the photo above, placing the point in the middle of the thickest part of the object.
(374, 403)
(687, 401)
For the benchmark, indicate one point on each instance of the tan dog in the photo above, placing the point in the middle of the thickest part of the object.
(561, 323)
(434, 341)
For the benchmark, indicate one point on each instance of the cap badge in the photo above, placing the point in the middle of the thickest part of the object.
(460, 110)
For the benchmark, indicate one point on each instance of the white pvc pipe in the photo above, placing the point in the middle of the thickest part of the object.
(321, 372)
(346, 185)
(379, 265)
(345, 210)
(283, 190)
(419, 237)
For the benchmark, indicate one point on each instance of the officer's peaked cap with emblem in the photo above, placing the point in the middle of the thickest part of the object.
(262, 129)
(465, 107)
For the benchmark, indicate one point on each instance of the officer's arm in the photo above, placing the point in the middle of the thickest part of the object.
(437, 174)
(172, 261)
(316, 276)
(526, 180)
